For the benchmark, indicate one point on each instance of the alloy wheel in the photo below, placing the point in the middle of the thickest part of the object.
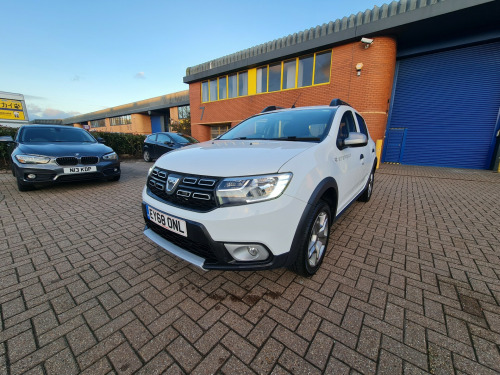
(318, 239)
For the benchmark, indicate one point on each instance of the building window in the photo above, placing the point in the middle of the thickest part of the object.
(213, 90)
(274, 83)
(301, 71)
(184, 112)
(222, 88)
(98, 123)
(217, 130)
(305, 74)
(121, 120)
(225, 87)
(289, 74)
(262, 80)
(204, 91)
(322, 66)
(242, 83)
(232, 84)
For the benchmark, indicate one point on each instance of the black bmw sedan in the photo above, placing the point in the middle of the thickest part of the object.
(46, 154)
(157, 144)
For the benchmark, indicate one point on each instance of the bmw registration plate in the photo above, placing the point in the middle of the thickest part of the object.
(88, 169)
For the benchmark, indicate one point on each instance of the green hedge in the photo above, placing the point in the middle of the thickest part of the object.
(4, 151)
(122, 143)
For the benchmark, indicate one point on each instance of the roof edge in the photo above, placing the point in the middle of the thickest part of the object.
(176, 99)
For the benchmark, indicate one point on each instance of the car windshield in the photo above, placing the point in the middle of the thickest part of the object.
(55, 134)
(182, 138)
(309, 125)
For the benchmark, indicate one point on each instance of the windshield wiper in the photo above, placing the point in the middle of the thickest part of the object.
(294, 138)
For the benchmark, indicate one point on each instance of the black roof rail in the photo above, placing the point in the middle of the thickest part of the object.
(271, 108)
(337, 102)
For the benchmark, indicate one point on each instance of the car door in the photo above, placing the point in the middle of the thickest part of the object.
(368, 151)
(349, 160)
(163, 144)
(149, 145)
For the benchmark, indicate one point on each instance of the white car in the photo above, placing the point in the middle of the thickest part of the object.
(264, 194)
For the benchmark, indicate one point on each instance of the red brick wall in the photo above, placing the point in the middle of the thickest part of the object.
(369, 93)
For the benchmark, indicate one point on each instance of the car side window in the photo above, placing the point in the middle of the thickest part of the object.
(162, 138)
(347, 125)
(152, 138)
(362, 125)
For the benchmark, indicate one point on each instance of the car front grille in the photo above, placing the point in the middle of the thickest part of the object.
(67, 161)
(72, 160)
(199, 247)
(193, 192)
(89, 160)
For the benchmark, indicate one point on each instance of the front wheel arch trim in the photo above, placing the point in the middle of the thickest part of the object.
(328, 183)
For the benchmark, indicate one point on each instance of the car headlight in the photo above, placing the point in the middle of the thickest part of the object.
(243, 190)
(110, 156)
(32, 159)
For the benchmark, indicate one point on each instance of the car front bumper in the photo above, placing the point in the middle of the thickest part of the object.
(52, 173)
(271, 224)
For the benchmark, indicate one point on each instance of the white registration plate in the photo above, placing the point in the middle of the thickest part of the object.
(168, 222)
(72, 170)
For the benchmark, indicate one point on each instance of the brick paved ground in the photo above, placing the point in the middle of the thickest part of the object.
(411, 285)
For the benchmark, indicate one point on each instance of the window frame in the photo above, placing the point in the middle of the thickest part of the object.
(238, 84)
(169, 140)
(267, 79)
(362, 127)
(101, 122)
(265, 90)
(186, 113)
(339, 137)
(296, 61)
(120, 120)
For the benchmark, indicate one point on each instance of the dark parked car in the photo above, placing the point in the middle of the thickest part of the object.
(157, 144)
(46, 154)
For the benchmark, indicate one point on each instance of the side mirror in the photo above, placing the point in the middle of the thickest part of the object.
(356, 140)
(101, 140)
(6, 139)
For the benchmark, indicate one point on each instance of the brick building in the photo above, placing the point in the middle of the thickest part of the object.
(142, 117)
(425, 76)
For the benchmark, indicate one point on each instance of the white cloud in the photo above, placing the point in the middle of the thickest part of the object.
(37, 112)
(140, 75)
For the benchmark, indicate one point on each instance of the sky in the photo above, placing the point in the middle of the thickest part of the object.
(75, 57)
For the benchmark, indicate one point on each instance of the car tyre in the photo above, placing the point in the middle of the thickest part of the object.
(314, 240)
(115, 178)
(367, 194)
(147, 156)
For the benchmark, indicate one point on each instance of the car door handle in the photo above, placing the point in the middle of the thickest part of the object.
(361, 157)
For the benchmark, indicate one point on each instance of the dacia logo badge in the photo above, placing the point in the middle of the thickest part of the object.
(172, 182)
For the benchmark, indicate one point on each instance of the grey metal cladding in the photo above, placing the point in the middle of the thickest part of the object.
(373, 20)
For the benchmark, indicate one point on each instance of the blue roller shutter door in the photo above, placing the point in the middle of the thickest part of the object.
(448, 102)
